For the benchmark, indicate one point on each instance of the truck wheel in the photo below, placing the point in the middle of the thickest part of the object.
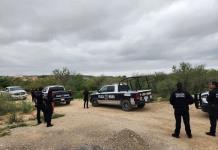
(94, 102)
(141, 106)
(67, 102)
(126, 106)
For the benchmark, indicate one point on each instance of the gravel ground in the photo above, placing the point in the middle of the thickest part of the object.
(109, 127)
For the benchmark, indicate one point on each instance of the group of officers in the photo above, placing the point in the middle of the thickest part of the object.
(181, 99)
(44, 104)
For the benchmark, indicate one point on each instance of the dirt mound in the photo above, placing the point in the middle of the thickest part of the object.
(126, 140)
(90, 147)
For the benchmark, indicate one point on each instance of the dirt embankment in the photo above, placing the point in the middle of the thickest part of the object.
(109, 128)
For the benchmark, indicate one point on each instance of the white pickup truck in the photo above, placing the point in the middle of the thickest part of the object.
(16, 92)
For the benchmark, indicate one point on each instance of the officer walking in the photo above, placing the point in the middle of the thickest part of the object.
(181, 100)
(86, 98)
(39, 105)
(213, 107)
(49, 108)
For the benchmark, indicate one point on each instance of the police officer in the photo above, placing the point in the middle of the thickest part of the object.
(33, 95)
(86, 98)
(39, 105)
(181, 100)
(213, 107)
(49, 108)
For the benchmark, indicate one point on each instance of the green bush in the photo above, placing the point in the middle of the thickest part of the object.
(7, 105)
(165, 87)
(26, 107)
(78, 94)
(12, 108)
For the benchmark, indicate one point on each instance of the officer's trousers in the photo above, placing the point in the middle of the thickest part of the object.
(182, 113)
(213, 114)
(39, 110)
(49, 112)
(86, 103)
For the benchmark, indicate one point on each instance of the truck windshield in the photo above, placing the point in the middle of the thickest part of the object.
(57, 88)
(15, 88)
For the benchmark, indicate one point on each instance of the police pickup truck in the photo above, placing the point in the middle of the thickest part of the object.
(201, 100)
(121, 95)
(59, 94)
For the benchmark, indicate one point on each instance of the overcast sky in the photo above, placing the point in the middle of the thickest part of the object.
(110, 37)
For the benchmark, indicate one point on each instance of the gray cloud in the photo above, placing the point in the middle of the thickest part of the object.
(106, 37)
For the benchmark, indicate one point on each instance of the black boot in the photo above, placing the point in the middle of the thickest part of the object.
(189, 136)
(175, 135)
(210, 134)
(50, 125)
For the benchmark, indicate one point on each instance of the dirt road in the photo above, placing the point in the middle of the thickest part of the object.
(94, 126)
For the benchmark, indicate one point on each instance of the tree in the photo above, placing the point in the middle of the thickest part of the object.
(4, 82)
(62, 75)
(193, 78)
(183, 67)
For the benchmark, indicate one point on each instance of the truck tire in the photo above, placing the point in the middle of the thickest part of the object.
(94, 102)
(141, 106)
(126, 106)
(67, 102)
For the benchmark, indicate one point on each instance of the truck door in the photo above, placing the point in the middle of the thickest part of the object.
(101, 95)
(107, 95)
(110, 95)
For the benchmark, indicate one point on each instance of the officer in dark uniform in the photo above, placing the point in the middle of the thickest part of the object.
(39, 104)
(213, 107)
(181, 100)
(33, 95)
(49, 108)
(86, 98)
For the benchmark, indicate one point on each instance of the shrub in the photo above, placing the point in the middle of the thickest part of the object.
(165, 87)
(10, 107)
(26, 107)
(6, 105)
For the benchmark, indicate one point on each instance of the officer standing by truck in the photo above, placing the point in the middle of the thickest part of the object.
(213, 107)
(181, 100)
(39, 105)
(86, 98)
(49, 108)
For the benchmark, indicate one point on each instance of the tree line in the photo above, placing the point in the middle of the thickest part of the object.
(194, 79)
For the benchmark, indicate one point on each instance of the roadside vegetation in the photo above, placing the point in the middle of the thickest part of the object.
(194, 78)
(13, 113)
(6, 130)
(9, 106)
